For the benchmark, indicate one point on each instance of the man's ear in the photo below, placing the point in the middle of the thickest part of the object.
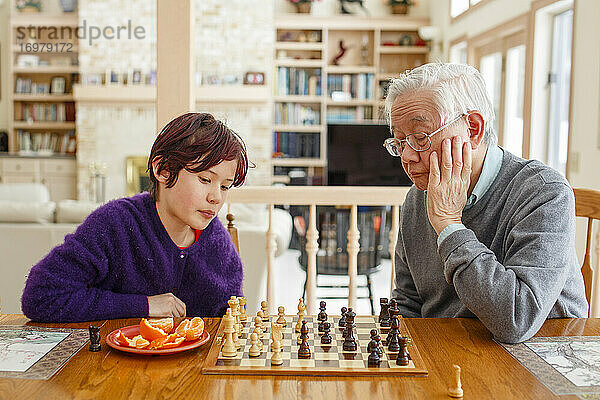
(476, 128)
(163, 176)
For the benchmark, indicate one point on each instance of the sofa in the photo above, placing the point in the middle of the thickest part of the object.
(31, 225)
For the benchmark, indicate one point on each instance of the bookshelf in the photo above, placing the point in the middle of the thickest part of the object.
(350, 91)
(43, 64)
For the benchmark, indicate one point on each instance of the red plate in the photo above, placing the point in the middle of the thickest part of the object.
(134, 330)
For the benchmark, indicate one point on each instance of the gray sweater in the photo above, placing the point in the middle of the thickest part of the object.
(513, 267)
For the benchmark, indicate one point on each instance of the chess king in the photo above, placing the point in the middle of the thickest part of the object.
(483, 233)
(156, 254)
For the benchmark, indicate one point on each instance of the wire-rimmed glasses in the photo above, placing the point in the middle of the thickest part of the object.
(419, 141)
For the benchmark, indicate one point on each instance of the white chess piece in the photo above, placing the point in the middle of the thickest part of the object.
(276, 334)
(276, 358)
(254, 350)
(301, 311)
(265, 310)
(258, 323)
(229, 348)
(281, 320)
(260, 335)
(242, 302)
(456, 390)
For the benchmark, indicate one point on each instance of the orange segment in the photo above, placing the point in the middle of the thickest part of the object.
(190, 329)
(166, 324)
(150, 332)
(121, 339)
(137, 341)
(167, 342)
(196, 329)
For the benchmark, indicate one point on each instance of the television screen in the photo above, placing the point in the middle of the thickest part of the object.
(356, 157)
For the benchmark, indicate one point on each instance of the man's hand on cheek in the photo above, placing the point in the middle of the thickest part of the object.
(448, 183)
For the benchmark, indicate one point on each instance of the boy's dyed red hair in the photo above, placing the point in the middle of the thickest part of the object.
(195, 142)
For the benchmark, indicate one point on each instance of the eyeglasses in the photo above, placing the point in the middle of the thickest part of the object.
(419, 141)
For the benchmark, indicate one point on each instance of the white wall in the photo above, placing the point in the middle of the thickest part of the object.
(4, 53)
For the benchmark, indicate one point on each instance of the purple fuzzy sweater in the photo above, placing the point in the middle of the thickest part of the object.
(120, 255)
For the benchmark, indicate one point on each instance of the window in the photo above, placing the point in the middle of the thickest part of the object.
(513, 100)
(457, 7)
(491, 70)
(458, 53)
(559, 79)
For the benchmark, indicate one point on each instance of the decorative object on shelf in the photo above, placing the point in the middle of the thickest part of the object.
(58, 85)
(400, 6)
(254, 78)
(344, 10)
(340, 54)
(364, 50)
(113, 77)
(406, 40)
(97, 182)
(29, 5)
(135, 77)
(68, 5)
(302, 6)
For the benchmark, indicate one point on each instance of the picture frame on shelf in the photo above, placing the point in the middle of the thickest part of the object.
(135, 77)
(254, 78)
(92, 79)
(113, 77)
(58, 85)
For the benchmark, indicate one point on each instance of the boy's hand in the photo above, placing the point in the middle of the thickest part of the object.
(165, 305)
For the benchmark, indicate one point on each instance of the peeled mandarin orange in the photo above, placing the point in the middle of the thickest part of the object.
(183, 327)
(122, 339)
(166, 324)
(195, 330)
(150, 332)
(172, 341)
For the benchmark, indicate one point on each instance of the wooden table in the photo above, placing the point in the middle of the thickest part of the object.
(489, 372)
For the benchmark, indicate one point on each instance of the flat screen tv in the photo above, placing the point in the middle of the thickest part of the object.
(356, 157)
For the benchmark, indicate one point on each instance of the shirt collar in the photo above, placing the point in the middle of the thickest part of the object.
(491, 166)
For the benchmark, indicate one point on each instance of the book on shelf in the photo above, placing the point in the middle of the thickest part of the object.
(296, 145)
(355, 86)
(298, 81)
(296, 114)
(349, 114)
(46, 142)
(27, 86)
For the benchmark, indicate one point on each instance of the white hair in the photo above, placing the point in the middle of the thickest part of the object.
(457, 89)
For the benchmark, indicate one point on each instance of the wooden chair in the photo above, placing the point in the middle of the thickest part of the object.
(587, 205)
(233, 231)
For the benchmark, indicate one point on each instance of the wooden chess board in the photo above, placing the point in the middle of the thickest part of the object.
(325, 359)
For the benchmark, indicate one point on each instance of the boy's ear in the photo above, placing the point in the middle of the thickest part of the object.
(163, 176)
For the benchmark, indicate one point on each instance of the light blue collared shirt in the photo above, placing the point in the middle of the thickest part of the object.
(489, 171)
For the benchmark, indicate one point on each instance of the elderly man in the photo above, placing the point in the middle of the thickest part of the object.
(483, 233)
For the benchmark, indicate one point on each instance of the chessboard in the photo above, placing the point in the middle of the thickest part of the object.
(325, 359)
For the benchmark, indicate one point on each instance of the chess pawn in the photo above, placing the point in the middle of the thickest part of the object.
(254, 350)
(281, 320)
(456, 390)
(342, 322)
(379, 345)
(374, 359)
(243, 315)
(259, 334)
(265, 310)
(326, 338)
(276, 358)
(402, 358)
(304, 350)
(258, 323)
(322, 316)
(229, 348)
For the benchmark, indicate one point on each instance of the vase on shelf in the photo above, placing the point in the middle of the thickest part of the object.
(303, 7)
(68, 5)
(399, 9)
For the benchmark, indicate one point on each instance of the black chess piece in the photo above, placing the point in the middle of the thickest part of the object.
(393, 308)
(349, 340)
(402, 358)
(342, 322)
(384, 314)
(326, 338)
(374, 359)
(322, 316)
(379, 346)
(394, 336)
(94, 338)
(304, 350)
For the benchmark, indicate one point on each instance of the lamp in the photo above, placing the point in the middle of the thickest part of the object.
(430, 34)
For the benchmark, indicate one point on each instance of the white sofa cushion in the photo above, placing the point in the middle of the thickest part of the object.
(73, 211)
(24, 192)
(27, 211)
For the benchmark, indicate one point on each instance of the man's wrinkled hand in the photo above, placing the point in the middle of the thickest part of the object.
(447, 189)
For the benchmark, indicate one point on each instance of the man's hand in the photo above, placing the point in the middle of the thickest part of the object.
(447, 192)
(165, 305)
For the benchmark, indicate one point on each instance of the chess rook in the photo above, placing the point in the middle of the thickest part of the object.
(384, 314)
(402, 358)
